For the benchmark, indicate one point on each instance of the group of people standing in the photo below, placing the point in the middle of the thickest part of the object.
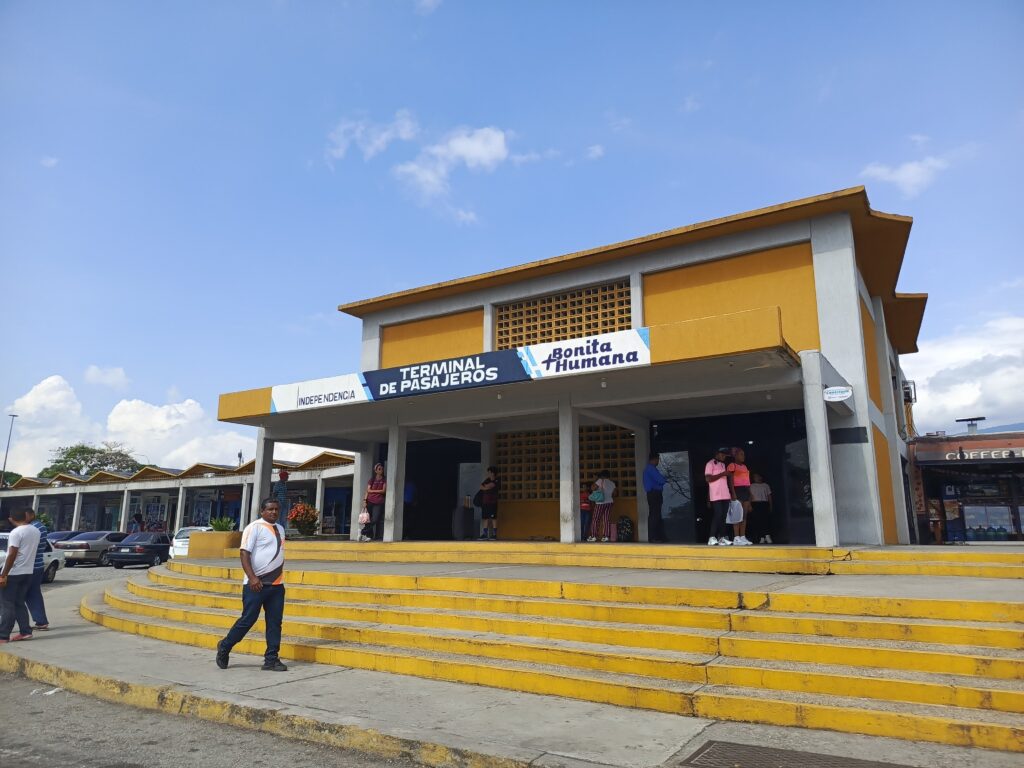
(21, 579)
(736, 497)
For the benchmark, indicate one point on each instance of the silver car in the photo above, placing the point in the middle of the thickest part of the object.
(179, 544)
(89, 547)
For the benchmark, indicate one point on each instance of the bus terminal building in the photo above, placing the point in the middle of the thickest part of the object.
(777, 330)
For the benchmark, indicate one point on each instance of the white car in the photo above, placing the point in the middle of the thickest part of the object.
(53, 559)
(179, 544)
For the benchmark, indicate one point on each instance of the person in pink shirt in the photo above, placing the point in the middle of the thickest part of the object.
(740, 476)
(720, 494)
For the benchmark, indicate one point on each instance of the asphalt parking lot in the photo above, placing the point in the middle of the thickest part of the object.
(86, 573)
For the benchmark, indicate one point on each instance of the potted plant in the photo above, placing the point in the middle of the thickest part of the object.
(222, 524)
(304, 517)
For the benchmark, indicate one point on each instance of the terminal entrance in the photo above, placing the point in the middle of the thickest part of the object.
(775, 444)
(432, 485)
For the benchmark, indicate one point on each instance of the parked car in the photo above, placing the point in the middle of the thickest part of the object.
(55, 536)
(179, 544)
(141, 549)
(90, 547)
(53, 559)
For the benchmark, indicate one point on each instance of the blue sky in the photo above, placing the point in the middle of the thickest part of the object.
(188, 190)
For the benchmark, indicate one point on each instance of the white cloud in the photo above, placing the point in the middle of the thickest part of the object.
(533, 156)
(177, 434)
(912, 177)
(427, 7)
(971, 371)
(919, 139)
(618, 123)
(479, 149)
(595, 151)
(691, 104)
(115, 378)
(464, 216)
(49, 162)
(371, 138)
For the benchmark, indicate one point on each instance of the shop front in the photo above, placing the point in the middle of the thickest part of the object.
(968, 488)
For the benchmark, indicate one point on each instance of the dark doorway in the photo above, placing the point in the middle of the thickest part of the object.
(776, 447)
(432, 466)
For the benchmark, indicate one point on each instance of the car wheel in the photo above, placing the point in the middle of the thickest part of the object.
(157, 560)
(104, 560)
(118, 566)
(50, 574)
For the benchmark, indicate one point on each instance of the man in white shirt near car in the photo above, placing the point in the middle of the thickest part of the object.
(262, 555)
(16, 577)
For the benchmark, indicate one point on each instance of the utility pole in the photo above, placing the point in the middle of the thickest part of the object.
(3, 473)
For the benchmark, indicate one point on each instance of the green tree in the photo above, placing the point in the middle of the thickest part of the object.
(86, 459)
(9, 479)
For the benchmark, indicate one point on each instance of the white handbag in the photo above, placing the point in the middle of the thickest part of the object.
(735, 513)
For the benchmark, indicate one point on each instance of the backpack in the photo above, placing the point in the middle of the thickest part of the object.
(625, 529)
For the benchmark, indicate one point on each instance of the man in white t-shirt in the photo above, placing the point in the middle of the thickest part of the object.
(16, 577)
(262, 555)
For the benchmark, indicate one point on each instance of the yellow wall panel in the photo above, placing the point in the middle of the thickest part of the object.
(435, 338)
(750, 331)
(239, 405)
(871, 353)
(886, 493)
(779, 277)
(526, 520)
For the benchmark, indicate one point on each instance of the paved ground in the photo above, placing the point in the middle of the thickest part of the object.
(86, 573)
(546, 731)
(95, 734)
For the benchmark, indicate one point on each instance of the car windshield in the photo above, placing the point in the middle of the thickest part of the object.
(141, 538)
(90, 536)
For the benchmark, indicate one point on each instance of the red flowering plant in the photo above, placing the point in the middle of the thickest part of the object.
(305, 517)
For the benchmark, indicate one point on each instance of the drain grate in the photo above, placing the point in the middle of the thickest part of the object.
(726, 754)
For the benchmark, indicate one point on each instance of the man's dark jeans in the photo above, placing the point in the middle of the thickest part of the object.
(12, 606)
(34, 599)
(271, 600)
(655, 531)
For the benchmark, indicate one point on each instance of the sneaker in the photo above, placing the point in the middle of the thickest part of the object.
(274, 666)
(41, 628)
(365, 538)
(591, 538)
(767, 539)
(222, 655)
(16, 638)
(724, 542)
(743, 541)
(762, 541)
(604, 538)
(712, 542)
(482, 537)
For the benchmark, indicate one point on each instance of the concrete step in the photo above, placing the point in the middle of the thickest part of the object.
(322, 574)
(916, 630)
(944, 724)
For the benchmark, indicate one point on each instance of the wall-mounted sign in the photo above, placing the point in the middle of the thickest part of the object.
(592, 354)
(319, 393)
(481, 370)
(837, 394)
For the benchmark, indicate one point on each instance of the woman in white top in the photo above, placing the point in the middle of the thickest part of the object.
(600, 527)
(761, 512)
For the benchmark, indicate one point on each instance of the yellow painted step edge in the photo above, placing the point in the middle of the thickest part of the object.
(886, 607)
(710, 705)
(716, 673)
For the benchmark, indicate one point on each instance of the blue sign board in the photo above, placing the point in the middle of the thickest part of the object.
(484, 369)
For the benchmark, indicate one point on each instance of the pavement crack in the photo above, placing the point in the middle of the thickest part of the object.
(286, 682)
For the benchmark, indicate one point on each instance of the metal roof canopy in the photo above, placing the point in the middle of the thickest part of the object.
(628, 398)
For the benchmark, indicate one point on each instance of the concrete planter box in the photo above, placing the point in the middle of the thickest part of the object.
(210, 545)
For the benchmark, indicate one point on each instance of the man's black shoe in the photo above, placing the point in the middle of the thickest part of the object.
(222, 656)
(274, 666)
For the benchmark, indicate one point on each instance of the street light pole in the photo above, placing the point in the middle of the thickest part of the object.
(3, 473)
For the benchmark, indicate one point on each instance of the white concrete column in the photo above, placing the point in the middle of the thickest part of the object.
(889, 418)
(568, 471)
(394, 499)
(243, 510)
(642, 448)
(488, 328)
(76, 516)
(369, 359)
(126, 500)
(319, 504)
(819, 454)
(264, 469)
(636, 299)
(837, 286)
(179, 512)
(362, 469)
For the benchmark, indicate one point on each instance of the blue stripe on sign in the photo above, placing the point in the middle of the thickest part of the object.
(645, 336)
(534, 370)
(366, 389)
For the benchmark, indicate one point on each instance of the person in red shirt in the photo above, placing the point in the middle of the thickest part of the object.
(374, 503)
(739, 477)
(719, 494)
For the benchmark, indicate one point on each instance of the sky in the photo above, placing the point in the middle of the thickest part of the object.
(188, 190)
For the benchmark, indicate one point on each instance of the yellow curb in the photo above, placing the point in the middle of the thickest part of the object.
(976, 570)
(171, 701)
